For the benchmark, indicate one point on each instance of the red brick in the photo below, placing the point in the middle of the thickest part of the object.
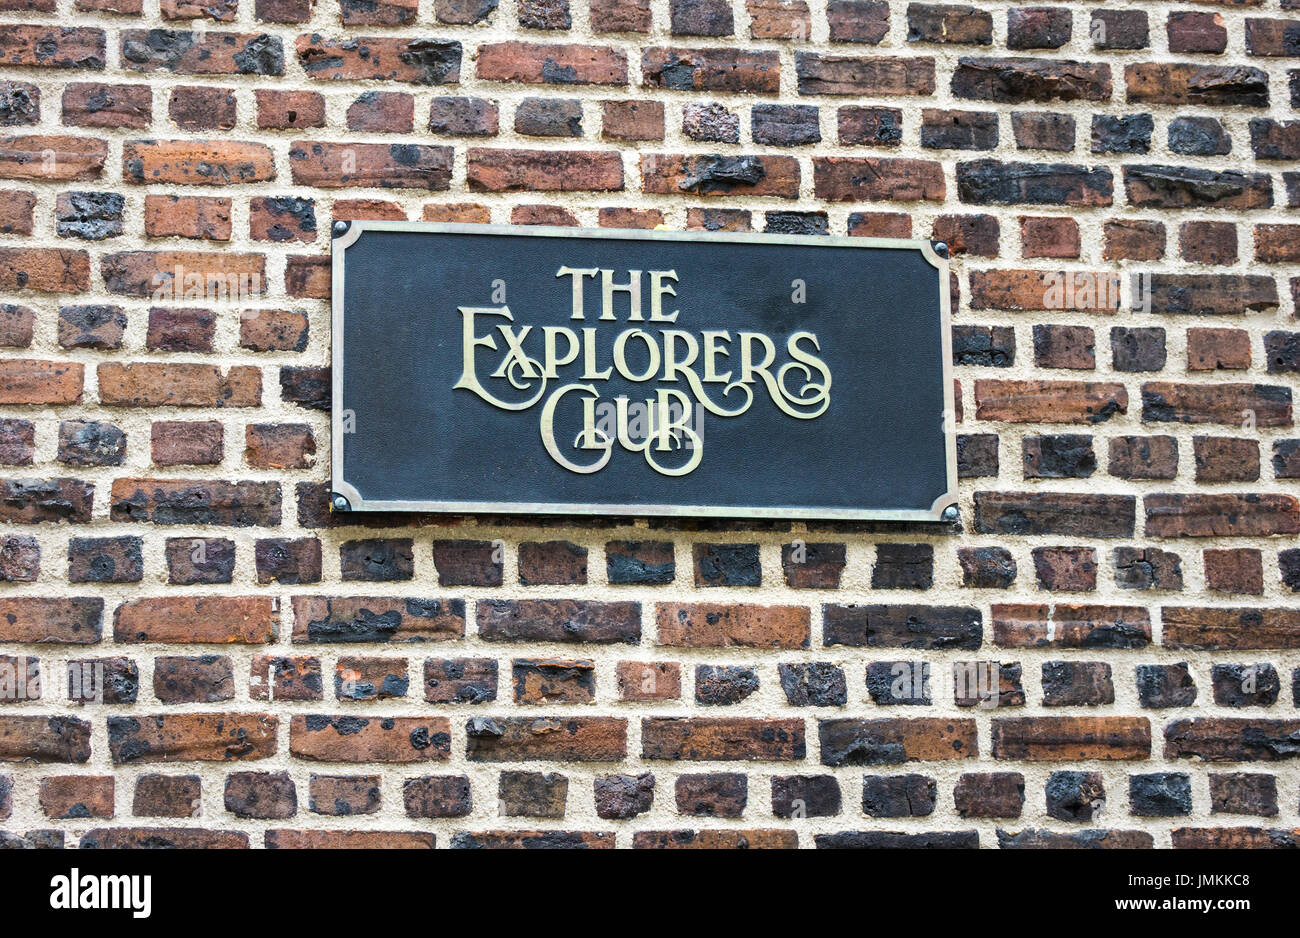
(25, 381)
(726, 625)
(869, 179)
(547, 739)
(543, 170)
(192, 737)
(186, 442)
(1215, 515)
(677, 173)
(723, 739)
(1218, 628)
(249, 620)
(1049, 401)
(541, 63)
(45, 270)
(370, 739)
(174, 216)
(155, 384)
(1068, 739)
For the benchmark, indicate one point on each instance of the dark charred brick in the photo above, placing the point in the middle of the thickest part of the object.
(800, 223)
(986, 567)
(1038, 27)
(532, 794)
(1243, 793)
(344, 795)
(1122, 133)
(1067, 514)
(987, 346)
(903, 566)
(959, 130)
(306, 387)
(463, 117)
(1075, 796)
(1077, 684)
(205, 679)
(812, 566)
(785, 125)
(1288, 562)
(700, 18)
(1150, 186)
(805, 796)
(643, 563)
(990, 795)
(727, 565)
(437, 796)
(869, 126)
(1198, 136)
(106, 680)
(977, 455)
(261, 795)
(1225, 459)
(898, 795)
(192, 560)
(552, 562)
(1160, 794)
(1071, 569)
(1231, 739)
(722, 685)
(91, 216)
(1070, 347)
(1286, 459)
(717, 794)
(167, 796)
(287, 561)
(1024, 80)
(1043, 131)
(559, 620)
(460, 680)
(813, 684)
(1119, 29)
(1275, 140)
(91, 443)
(1141, 348)
(622, 797)
(897, 840)
(902, 683)
(1245, 685)
(1063, 456)
(1031, 839)
(549, 117)
(105, 560)
(902, 626)
(468, 563)
(378, 559)
(949, 23)
(1143, 568)
(992, 182)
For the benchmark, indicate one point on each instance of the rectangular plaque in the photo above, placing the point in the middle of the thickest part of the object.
(493, 368)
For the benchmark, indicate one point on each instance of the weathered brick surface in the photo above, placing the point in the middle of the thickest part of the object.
(1116, 190)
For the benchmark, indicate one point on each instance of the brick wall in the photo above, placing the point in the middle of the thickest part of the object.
(1126, 563)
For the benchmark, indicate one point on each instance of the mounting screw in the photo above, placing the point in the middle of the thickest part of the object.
(340, 227)
(339, 503)
(941, 248)
(951, 514)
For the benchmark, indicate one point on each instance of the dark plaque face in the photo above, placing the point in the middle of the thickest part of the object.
(515, 369)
